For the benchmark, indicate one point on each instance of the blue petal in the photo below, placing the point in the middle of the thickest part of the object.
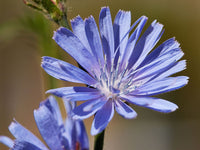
(94, 40)
(177, 67)
(65, 71)
(163, 48)
(133, 39)
(152, 103)
(88, 108)
(70, 130)
(52, 105)
(106, 32)
(6, 141)
(21, 133)
(65, 141)
(121, 26)
(159, 65)
(166, 71)
(145, 44)
(103, 117)
(124, 110)
(138, 100)
(162, 106)
(72, 45)
(75, 129)
(161, 86)
(78, 27)
(82, 96)
(24, 145)
(48, 127)
(82, 137)
(76, 93)
(69, 106)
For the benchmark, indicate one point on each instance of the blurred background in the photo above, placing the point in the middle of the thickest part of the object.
(25, 36)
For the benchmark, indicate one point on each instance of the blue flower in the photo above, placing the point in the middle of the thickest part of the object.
(70, 135)
(120, 67)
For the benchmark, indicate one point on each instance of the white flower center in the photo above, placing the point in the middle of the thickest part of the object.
(112, 82)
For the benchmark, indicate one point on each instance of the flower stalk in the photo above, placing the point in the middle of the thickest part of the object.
(55, 10)
(99, 141)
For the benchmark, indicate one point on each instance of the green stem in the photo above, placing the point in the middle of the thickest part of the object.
(99, 140)
(64, 22)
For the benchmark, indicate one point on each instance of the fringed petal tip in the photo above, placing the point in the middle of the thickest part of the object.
(90, 19)
(13, 124)
(59, 30)
(75, 19)
(144, 17)
(104, 8)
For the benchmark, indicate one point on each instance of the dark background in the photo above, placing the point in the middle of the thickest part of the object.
(24, 34)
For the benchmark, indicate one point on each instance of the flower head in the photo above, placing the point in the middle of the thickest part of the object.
(120, 66)
(70, 135)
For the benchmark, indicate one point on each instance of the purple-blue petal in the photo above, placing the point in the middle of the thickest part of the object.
(161, 86)
(133, 39)
(70, 128)
(65, 71)
(145, 44)
(70, 131)
(48, 127)
(24, 145)
(82, 137)
(78, 27)
(21, 133)
(94, 40)
(6, 141)
(76, 93)
(106, 32)
(162, 106)
(138, 100)
(152, 103)
(121, 26)
(103, 117)
(75, 129)
(124, 110)
(177, 67)
(52, 105)
(88, 108)
(72, 45)
(163, 48)
(162, 71)
(69, 106)
(82, 96)
(158, 66)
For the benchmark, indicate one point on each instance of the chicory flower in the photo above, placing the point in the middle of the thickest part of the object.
(119, 67)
